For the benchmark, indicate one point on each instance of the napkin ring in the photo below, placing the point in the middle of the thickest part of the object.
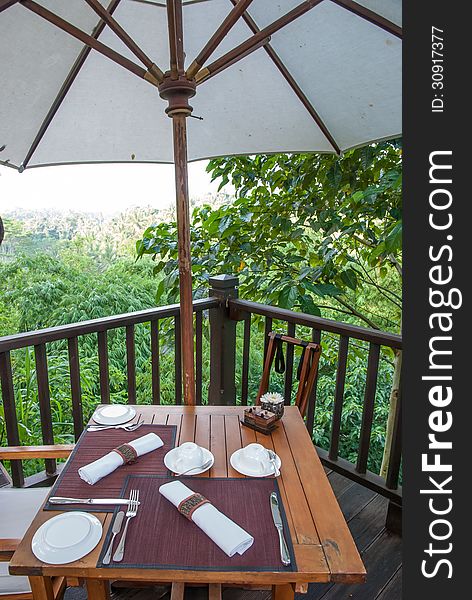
(190, 504)
(127, 453)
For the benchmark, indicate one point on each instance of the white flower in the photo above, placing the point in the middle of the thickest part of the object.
(272, 397)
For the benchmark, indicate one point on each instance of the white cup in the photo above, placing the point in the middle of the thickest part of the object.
(188, 455)
(255, 457)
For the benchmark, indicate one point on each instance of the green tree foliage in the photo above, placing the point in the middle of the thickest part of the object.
(314, 233)
(319, 234)
(305, 232)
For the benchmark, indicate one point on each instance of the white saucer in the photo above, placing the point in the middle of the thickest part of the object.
(114, 414)
(237, 463)
(66, 537)
(170, 457)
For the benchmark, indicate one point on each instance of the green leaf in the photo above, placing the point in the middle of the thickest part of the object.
(393, 241)
(308, 306)
(349, 277)
(160, 290)
(288, 296)
(323, 289)
(225, 223)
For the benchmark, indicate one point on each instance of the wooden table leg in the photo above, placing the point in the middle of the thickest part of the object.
(42, 588)
(98, 589)
(177, 590)
(214, 591)
(283, 592)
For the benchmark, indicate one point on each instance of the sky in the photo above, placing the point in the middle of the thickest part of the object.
(105, 188)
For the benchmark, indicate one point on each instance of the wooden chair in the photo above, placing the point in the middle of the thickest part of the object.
(307, 371)
(18, 507)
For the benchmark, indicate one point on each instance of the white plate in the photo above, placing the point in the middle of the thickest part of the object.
(170, 457)
(114, 414)
(66, 537)
(237, 462)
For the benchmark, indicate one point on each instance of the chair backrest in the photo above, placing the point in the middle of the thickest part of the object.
(307, 371)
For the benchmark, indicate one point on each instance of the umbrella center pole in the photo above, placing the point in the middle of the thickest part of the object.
(177, 92)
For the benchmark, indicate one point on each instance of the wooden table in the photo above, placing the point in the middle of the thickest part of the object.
(323, 545)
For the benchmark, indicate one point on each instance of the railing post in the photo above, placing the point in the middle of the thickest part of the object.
(222, 389)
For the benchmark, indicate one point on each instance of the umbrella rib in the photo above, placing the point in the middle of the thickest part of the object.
(292, 83)
(253, 42)
(66, 86)
(371, 16)
(215, 40)
(173, 43)
(125, 38)
(4, 4)
(87, 39)
(179, 35)
(206, 73)
(176, 39)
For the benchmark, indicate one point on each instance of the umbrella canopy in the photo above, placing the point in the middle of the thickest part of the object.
(90, 81)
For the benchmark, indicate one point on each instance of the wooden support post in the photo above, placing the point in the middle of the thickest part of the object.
(222, 389)
(393, 521)
(9, 412)
(98, 589)
(185, 267)
(214, 591)
(177, 590)
(285, 591)
(177, 90)
(42, 588)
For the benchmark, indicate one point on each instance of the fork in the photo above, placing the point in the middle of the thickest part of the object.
(131, 427)
(130, 513)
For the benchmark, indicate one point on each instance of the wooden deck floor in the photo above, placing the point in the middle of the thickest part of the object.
(381, 552)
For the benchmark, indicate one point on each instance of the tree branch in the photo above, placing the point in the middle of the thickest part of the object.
(356, 313)
(396, 264)
(382, 290)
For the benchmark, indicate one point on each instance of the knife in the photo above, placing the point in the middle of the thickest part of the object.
(274, 507)
(112, 501)
(117, 523)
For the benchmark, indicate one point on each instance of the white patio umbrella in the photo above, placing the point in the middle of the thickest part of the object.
(87, 81)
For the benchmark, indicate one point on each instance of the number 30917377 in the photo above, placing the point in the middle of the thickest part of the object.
(437, 69)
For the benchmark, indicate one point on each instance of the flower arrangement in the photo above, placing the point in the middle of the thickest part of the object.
(272, 398)
(274, 402)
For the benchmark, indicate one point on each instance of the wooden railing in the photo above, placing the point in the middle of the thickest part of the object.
(225, 310)
(71, 333)
(243, 310)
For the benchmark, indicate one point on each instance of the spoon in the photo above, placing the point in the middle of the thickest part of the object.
(273, 460)
(204, 466)
(117, 523)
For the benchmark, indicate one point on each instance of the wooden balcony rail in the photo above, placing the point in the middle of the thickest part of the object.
(225, 310)
(243, 310)
(72, 333)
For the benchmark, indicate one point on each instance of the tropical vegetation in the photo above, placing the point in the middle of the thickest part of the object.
(320, 234)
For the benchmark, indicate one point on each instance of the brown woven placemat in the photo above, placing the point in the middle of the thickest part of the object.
(159, 537)
(93, 445)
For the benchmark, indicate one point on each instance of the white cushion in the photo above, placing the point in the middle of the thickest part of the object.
(18, 508)
(10, 584)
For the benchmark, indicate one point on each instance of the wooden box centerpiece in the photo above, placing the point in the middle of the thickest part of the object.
(259, 419)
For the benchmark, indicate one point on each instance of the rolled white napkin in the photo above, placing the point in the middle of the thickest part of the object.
(105, 465)
(226, 534)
